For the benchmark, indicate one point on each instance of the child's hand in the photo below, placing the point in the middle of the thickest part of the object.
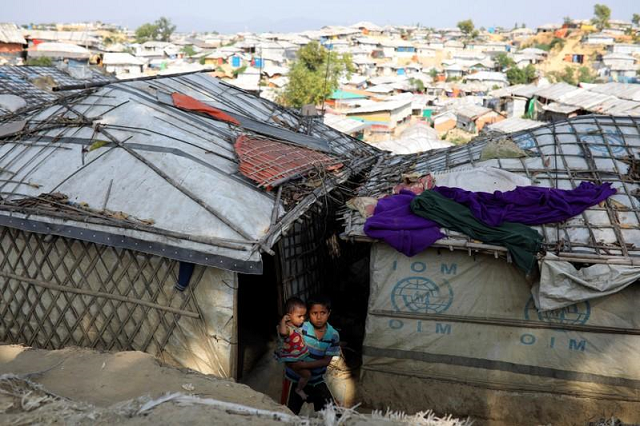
(286, 318)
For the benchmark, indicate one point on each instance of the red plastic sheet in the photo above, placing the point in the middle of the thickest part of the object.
(270, 163)
(188, 103)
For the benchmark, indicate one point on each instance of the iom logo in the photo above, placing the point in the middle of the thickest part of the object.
(421, 295)
(577, 314)
(597, 143)
(525, 141)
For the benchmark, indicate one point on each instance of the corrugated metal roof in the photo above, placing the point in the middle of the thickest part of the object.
(471, 111)
(561, 108)
(514, 124)
(615, 106)
(621, 90)
(344, 124)
(380, 106)
(585, 99)
(556, 92)
(10, 33)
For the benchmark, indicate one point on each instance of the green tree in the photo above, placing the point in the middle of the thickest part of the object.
(566, 76)
(146, 32)
(601, 16)
(585, 75)
(636, 19)
(160, 30)
(433, 73)
(504, 61)
(165, 29)
(239, 71)
(417, 85)
(567, 20)
(466, 27)
(557, 42)
(524, 75)
(189, 50)
(314, 75)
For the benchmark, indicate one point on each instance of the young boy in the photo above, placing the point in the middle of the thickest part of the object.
(322, 342)
(292, 348)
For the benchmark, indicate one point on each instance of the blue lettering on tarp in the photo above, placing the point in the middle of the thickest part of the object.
(573, 345)
(449, 270)
(443, 328)
(395, 265)
(395, 324)
(577, 346)
(527, 339)
(418, 267)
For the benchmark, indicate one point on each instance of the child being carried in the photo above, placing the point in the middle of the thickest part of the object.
(291, 346)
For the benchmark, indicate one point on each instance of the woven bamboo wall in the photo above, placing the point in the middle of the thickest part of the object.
(57, 292)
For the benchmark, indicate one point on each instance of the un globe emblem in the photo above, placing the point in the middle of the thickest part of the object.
(419, 294)
(577, 314)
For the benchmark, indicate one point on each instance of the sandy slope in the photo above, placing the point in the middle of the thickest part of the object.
(103, 378)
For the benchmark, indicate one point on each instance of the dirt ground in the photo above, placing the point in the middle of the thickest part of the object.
(105, 378)
(85, 387)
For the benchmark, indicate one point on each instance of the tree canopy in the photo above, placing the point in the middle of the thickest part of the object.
(601, 16)
(315, 75)
(466, 26)
(160, 30)
(635, 18)
(504, 61)
(524, 75)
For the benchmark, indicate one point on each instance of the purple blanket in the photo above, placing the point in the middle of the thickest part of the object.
(394, 222)
(530, 205)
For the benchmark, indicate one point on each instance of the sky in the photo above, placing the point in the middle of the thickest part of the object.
(291, 15)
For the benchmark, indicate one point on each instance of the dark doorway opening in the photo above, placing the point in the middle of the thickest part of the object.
(257, 315)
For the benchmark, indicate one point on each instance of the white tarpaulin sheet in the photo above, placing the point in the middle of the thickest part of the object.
(472, 319)
(481, 179)
(561, 284)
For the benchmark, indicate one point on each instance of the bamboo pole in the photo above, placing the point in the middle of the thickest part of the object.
(86, 292)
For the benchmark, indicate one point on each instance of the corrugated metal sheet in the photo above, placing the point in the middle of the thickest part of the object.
(514, 124)
(10, 33)
(556, 92)
(621, 90)
(561, 108)
(585, 99)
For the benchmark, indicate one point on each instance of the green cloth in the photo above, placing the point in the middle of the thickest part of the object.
(522, 242)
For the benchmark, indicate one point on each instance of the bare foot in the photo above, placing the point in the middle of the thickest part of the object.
(303, 395)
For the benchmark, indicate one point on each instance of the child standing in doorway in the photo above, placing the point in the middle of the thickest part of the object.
(291, 346)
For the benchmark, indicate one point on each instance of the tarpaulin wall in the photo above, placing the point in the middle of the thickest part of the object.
(57, 292)
(470, 320)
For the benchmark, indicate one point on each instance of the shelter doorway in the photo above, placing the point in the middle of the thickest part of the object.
(258, 302)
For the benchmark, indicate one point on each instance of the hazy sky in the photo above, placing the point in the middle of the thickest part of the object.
(292, 15)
